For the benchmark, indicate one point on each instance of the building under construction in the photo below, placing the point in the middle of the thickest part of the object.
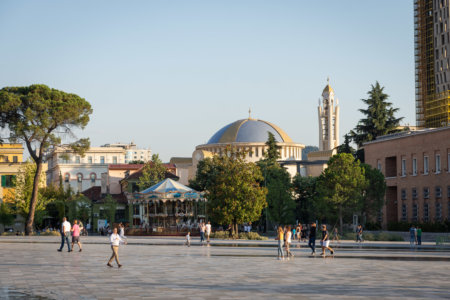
(432, 42)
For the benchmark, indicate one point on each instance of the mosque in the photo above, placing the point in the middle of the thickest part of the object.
(251, 135)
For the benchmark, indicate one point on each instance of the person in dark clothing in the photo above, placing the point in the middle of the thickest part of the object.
(312, 238)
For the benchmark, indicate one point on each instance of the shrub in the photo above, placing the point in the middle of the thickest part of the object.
(49, 233)
(220, 235)
(242, 236)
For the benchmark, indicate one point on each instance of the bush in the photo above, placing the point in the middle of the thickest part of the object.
(349, 236)
(49, 233)
(242, 236)
(10, 234)
(426, 227)
(368, 236)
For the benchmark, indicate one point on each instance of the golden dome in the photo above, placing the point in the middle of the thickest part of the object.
(328, 89)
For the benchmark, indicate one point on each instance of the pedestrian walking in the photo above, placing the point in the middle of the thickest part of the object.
(115, 240)
(359, 234)
(312, 238)
(280, 238)
(419, 235)
(202, 232)
(325, 241)
(208, 231)
(336, 235)
(412, 236)
(122, 231)
(188, 239)
(76, 235)
(299, 232)
(65, 234)
(288, 242)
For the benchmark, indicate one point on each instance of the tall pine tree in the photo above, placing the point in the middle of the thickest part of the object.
(379, 117)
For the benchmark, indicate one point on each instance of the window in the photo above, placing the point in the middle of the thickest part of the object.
(438, 163)
(102, 159)
(415, 212)
(136, 210)
(79, 177)
(114, 159)
(66, 177)
(90, 159)
(425, 165)
(414, 193)
(438, 192)
(438, 207)
(250, 152)
(426, 216)
(15, 159)
(403, 194)
(404, 213)
(403, 167)
(448, 162)
(257, 152)
(93, 177)
(448, 193)
(379, 165)
(8, 181)
(414, 166)
(77, 159)
(426, 193)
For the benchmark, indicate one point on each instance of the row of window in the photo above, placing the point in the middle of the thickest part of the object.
(5, 158)
(89, 160)
(426, 193)
(425, 213)
(426, 165)
(92, 177)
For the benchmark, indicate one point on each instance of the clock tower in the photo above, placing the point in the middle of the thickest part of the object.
(328, 119)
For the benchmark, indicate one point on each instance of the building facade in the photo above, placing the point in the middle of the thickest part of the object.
(132, 153)
(11, 158)
(432, 62)
(416, 166)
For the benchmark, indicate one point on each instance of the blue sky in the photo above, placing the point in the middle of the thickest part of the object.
(169, 74)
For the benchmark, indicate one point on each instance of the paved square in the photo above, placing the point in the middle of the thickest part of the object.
(174, 272)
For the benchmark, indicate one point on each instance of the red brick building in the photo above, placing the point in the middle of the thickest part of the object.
(416, 165)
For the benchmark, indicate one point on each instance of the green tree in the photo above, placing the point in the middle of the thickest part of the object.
(21, 197)
(232, 188)
(38, 116)
(78, 207)
(341, 185)
(110, 205)
(379, 117)
(374, 192)
(281, 205)
(345, 146)
(153, 172)
(309, 205)
(6, 214)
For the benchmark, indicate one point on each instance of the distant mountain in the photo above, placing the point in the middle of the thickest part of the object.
(308, 149)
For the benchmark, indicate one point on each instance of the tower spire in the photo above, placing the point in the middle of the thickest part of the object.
(249, 113)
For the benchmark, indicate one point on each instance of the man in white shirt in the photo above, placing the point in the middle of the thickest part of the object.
(115, 240)
(65, 234)
(208, 231)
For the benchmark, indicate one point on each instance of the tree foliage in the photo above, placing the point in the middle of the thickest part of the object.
(20, 198)
(39, 116)
(232, 188)
(153, 172)
(6, 214)
(272, 154)
(342, 184)
(345, 147)
(379, 117)
(309, 204)
(110, 206)
(374, 192)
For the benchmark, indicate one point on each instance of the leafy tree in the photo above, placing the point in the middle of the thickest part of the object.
(38, 116)
(110, 205)
(153, 172)
(78, 208)
(345, 147)
(342, 184)
(309, 204)
(21, 197)
(373, 194)
(6, 215)
(272, 154)
(379, 117)
(136, 162)
(232, 188)
(308, 149)
(281, 206)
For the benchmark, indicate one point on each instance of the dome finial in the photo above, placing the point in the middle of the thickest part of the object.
(328, 80)
(249, 113)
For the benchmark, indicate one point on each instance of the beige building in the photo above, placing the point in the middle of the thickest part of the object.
(416, 165)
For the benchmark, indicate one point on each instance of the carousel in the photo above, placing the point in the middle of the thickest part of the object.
(168, 206)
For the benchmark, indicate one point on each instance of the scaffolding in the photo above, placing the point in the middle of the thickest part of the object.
(432, 110)
(424, 57)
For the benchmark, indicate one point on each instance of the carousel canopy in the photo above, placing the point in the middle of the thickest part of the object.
(168, 186)
(168, 190)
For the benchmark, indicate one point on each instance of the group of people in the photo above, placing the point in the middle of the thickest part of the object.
(205, 232)
(415, 235)
(284, 237)
(68, 230)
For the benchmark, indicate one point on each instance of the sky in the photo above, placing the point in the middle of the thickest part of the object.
(169, 74)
